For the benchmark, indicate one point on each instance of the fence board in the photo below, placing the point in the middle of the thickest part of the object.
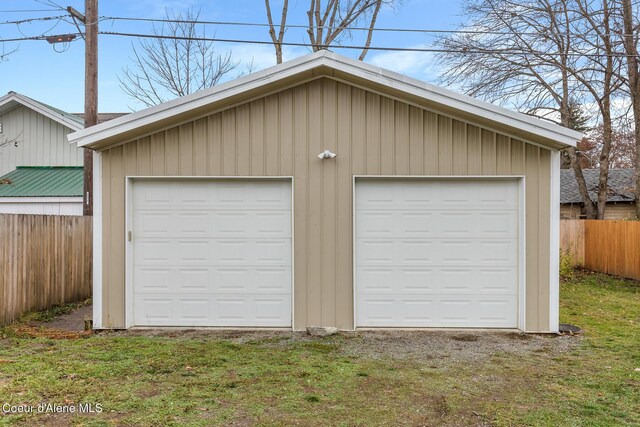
(612, 247)
(607, 246)
(44, 260)
(572, 240)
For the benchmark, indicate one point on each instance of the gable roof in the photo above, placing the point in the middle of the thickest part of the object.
(13, 100)
(43, 181)
(102, 117)
(620, 185)
(329, 64)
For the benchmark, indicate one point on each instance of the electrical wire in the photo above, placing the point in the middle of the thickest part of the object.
(298, 44)
(398, 30)
(28, 10)
(33, 38)
(359, 47)
(24, 21)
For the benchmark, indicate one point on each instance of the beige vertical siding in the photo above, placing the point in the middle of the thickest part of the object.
(281, 134)
(613, 211)
(41, 141)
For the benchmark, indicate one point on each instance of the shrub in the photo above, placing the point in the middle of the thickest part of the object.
(566, 264)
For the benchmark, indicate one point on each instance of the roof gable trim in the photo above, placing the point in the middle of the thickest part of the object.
(91, 137)
(41, 109)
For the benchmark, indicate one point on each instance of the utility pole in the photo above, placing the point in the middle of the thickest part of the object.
(90, 21)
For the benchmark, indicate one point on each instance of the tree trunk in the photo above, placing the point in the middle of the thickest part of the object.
(633, 71)
(603, 177)
(589, 206)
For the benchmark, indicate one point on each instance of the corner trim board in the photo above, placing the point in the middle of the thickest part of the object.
(97, 240)
(554, 250)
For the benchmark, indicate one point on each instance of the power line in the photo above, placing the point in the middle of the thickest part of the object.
(43, 18)
(28, 10)
(353, 47)
(398, 30)
(375, 48)
(33, 38)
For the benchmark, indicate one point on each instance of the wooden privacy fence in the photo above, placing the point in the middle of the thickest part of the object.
(611, 247)
(44, 260)
(572, 240)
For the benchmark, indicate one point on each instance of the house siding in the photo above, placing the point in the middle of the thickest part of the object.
(613, 211)
(41, 141)
(281, 135)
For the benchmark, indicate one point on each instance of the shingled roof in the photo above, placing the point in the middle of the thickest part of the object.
(620, 185)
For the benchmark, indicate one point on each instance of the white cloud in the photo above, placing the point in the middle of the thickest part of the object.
(420, 65)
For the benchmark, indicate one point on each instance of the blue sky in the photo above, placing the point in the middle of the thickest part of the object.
(37, 70)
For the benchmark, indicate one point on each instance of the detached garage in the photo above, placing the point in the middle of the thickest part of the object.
(326, 192)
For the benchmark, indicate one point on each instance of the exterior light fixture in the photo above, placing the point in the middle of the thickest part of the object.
(326, 154)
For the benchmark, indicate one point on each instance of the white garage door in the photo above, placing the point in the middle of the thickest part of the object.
(211, 252)
(437, 253)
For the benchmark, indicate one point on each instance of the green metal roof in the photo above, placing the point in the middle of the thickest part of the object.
(42, 181)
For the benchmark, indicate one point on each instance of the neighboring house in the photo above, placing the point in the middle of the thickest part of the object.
(42, 190)
(215, 209)
(620, 199)
(34, 134)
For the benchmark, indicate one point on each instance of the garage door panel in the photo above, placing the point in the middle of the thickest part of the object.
(194, 310)
(452, 193)
(212, 223)
(436, 253)
(400, 280)
(432, 252)
(154, 252)
(200, 251)
(434, 223)
(437, 311)
(192, 251)
(212, 253)
(189, 224)
(250, 279)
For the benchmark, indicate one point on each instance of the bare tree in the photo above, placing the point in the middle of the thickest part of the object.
(622, 155)
(174, 64)
(599, 77)
(630, 37)
(277, 40)
(329, 22)
(541, 56)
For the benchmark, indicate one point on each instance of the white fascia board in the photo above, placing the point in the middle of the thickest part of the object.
(390, 79)
(36, 106)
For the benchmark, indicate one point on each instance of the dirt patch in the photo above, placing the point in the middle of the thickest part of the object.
(72, 322)
(437, 348)
(26, 331)
(465, 337)
(519, 336)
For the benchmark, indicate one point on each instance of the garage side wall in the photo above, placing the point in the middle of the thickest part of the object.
(281, 135)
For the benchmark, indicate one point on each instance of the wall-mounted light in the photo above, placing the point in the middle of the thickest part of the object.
(326, 154)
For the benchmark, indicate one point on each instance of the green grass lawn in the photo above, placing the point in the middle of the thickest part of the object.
(285, 379)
